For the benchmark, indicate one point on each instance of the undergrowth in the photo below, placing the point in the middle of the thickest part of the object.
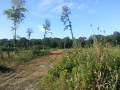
(97, 67)
(23, 57)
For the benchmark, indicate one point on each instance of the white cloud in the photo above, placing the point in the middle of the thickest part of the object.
(58, 8)
(58, 1)
(82, 6)
(41, 28)
(46, 4)
(28, 2)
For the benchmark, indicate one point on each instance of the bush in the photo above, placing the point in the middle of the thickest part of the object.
(94, 68)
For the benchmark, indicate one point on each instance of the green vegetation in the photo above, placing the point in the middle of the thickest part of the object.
(22, 43)
(97, 67)
(23, 57)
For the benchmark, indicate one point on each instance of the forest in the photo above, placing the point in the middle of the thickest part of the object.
(58, 43)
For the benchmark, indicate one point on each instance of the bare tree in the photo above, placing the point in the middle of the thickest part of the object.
(29, 31)
(47, 29)
(65, 19)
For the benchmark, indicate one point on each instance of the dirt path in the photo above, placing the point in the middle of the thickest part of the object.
(25, 76)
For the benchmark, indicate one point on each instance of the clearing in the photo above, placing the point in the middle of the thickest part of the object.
(23, 77)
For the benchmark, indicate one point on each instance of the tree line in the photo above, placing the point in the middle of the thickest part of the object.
(24, 43)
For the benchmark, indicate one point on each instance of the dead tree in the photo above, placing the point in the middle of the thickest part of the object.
(47, 29)
(66, 20)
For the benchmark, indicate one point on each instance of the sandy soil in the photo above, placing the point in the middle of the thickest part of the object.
(25, 76)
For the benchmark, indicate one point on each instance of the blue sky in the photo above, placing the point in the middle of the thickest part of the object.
(102, 13)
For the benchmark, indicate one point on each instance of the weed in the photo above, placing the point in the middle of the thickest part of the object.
(94, 68)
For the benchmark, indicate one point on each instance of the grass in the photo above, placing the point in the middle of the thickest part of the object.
(26, 75)
(23, 57)
(92, 68)
(97, 67)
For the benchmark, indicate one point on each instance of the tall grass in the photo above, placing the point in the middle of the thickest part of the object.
(97, 67)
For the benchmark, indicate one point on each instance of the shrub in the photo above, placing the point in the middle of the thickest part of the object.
(93, 68)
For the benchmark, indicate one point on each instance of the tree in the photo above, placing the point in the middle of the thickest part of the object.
(29, 31)
(1, 53)
(65, 19)
(47, 29)
(23, 42)
(116, 35)
(81, 41)
(16, 14)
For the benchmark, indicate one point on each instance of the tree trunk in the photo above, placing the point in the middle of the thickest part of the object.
(1, 55)
(65, 44)
(71, 29)
(29, 43)
(8, 53)
(15, 38)
(72, 34)
(43, 42)
(70, 25)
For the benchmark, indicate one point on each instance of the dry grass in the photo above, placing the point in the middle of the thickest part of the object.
(25, 76)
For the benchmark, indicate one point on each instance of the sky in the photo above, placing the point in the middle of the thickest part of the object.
(104, 14)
